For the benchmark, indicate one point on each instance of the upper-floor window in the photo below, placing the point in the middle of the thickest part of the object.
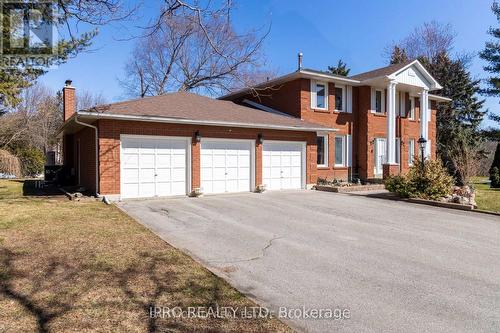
(319, 95)
(339, 98)
(378, 101)
(322, 146)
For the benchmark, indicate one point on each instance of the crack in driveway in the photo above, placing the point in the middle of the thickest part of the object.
(262, 254)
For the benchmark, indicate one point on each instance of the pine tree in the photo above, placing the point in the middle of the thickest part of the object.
(491, 54)
(340, 69)
(398, 55)
(495, 167)
(458, 121)
(15, 78)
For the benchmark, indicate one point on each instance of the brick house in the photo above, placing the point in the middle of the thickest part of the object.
(376, 114)
(300, 126)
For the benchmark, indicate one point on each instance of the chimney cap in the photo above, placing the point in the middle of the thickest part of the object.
(299, 65)
(67, 83)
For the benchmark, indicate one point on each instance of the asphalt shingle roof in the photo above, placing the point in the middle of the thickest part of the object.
(189, 106)
(383, 71)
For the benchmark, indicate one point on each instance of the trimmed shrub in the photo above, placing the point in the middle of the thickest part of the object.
(433, 183)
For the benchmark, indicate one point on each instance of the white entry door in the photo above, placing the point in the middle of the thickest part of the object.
(226, 165)
(283, 165)
(380, 155)
(153, 167)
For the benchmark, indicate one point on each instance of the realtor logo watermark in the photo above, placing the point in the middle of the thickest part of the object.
(29, 34)
(253, 312)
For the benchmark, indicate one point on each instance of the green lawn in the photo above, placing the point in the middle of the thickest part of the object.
(84, 267)
(486, 198)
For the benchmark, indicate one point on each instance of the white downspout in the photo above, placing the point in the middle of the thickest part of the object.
(96, 152)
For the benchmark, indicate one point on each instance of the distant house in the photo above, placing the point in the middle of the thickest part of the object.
(301, 126)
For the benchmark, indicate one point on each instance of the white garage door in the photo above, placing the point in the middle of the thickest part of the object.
(153, 167)
(282, 165)
(225, 166)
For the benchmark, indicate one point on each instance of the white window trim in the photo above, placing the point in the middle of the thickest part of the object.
(374, 101)
(411, 114)
(325, 152)
(314, 101)
(344, 109)
(411, 151)
(344, 159)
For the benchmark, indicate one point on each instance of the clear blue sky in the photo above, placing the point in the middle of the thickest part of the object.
(325, 31)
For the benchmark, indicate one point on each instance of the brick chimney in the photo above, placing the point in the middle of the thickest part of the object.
(69, 100)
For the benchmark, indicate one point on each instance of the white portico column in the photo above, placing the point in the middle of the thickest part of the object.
(424, 119)
(391, 123)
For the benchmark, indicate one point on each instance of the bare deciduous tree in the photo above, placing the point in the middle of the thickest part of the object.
(184, 52)
(428, 40)
(37, 119)
(86, 100)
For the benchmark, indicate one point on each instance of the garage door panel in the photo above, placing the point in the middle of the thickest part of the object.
(178, 174)
(225, 166)
(131, 161)
(153, 166)
(218, 186)
(296, 160)
(147, 189)
(130, 190)
(178, 188)
(147, 175)
(296, 172)
(206, 173)
(206, 160)
(163, 161)
(218, 173)
(131, 175)
(163, 175)
(282, 165)
(179, 160)
(296, 182)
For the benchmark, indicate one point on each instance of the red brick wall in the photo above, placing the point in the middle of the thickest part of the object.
(109, 147)
(294, 98)
(342, 121)
(282, 97)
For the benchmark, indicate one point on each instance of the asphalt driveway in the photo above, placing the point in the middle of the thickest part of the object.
(396, 266)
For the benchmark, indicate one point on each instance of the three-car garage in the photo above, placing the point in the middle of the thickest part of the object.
(161, 166)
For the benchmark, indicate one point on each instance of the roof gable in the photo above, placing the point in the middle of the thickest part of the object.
(415, 74)
(411, 72)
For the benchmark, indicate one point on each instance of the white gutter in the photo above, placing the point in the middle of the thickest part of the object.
(95, 115)
(96, 152)
(439, 98)
(329, 77)
(302, 73)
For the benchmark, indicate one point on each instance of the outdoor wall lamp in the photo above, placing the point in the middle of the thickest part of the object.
(260, 138)
(197, 136)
